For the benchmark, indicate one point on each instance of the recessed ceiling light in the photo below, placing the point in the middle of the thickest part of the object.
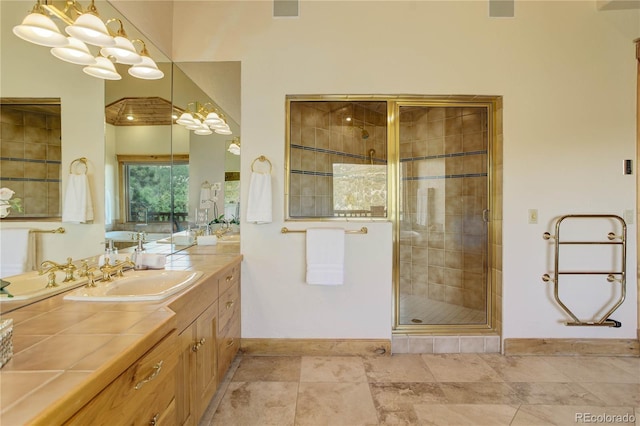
(130, 117)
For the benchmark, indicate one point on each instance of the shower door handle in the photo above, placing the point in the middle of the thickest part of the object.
(485, 215)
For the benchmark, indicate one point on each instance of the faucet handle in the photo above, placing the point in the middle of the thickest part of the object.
(84, 269)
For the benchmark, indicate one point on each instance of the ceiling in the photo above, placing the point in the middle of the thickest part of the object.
(145, 111)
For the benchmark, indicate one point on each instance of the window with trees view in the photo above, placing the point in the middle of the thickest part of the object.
(155, 188)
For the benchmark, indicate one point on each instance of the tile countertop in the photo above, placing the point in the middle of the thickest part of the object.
(64, 349)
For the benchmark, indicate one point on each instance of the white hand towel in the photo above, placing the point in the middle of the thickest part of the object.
(259, 201)
(207, 240)
(153, 261)
(77, 207)
(325, 256)
(422, 203)
(16, 251)
(205, 198)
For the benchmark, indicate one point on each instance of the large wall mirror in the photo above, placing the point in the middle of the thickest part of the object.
(127, 131)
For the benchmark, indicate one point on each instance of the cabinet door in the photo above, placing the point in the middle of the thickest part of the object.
(185, 401)
(206, 358)
(143, 392)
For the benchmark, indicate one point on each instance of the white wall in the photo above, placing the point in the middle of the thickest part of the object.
(28, 70)
(567, 75)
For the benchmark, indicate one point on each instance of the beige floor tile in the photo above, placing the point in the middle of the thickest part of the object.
(268, 369)
(479, 393)
(394, 402)
(614, 394)
(332, 369)
(629, 364)
(257, 403)
(465, 414)
(524, 368)
(554, 393)
(460, 368)
(561, 415)
(591, 369)
(335, 404)
(397, 368)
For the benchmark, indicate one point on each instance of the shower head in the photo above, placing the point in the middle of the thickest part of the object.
(365, 134)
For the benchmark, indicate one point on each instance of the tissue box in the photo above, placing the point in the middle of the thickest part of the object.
(207, 240)
(6, 341)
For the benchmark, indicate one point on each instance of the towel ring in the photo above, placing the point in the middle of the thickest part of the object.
(262, 158)
(75, 162)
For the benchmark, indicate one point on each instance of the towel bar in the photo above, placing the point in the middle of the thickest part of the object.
(362, 230)
(82, 160)
(60, 230)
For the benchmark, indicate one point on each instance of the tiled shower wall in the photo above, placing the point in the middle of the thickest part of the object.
(320, 136)
(443, 238)
(30, 153)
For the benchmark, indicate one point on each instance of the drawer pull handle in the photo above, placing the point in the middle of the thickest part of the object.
(230, 343)
(229, 278)
(199, 343)
(153, 375)
(154, 420)
(230, 304)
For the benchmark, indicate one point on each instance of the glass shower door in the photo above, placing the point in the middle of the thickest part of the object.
(442, 211)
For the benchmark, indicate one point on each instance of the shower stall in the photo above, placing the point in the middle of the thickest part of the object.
(442, 247)
(427, 165)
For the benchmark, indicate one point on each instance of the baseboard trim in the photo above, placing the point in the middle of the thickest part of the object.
(594, 347)
(315, 347)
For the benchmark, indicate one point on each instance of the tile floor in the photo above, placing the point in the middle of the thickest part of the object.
(427, 389)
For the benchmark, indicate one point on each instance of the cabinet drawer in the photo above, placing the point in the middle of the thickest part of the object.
(228, 278)
(228, 345)
(144, 391)
(228, 306)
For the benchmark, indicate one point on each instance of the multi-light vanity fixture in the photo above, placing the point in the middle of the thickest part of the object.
(234, 146)
(204, 119)
(86, 28)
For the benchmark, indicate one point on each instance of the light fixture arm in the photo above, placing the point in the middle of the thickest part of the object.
(120, 32)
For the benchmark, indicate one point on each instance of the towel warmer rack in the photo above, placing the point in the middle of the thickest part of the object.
(616, 241)
(363, 230)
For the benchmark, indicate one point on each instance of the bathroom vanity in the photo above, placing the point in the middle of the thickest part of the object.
(155, 362)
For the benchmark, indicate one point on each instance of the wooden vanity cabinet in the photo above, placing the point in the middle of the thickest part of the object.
(203, 343)
(143, 394)
(229, 318)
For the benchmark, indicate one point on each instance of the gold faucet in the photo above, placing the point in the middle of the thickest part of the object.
(50, 267)
(107, 269)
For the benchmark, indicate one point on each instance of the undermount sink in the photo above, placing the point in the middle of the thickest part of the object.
(148, 285)
(33, 286)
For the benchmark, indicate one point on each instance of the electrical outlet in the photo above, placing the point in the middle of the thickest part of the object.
(533, 215)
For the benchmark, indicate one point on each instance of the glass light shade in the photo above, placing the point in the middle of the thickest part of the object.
(147, 69)
(185, 119)
(75, 52)
(123, 51)
(39, 29)
(203, 131)
(197, 124)
(220, 125)
(212, 118)
(90, 29)
(103, 68)
(223, 131)
(234, 149)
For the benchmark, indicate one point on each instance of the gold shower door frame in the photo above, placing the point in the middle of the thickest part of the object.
(491, 104)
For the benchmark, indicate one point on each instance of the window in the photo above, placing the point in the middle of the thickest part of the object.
(336, 157)
(154, 188)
